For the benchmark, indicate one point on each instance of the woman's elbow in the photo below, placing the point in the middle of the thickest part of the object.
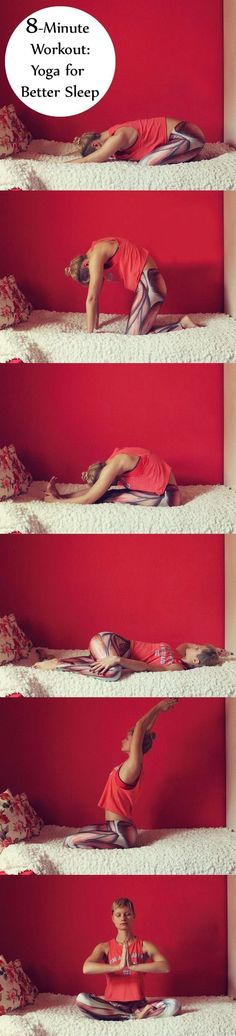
(86, 967)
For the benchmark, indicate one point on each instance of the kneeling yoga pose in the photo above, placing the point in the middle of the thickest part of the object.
(115, 259)
(121, 790)
(141, 478)
(156, 141)
(112, 656)
(124, 960)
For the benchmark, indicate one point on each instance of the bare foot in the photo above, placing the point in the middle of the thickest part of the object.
(51, 492)
(187, 322)
(49, 663)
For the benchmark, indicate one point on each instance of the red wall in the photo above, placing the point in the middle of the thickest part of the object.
(54, 923)
(183, 231)
(167, 407)
(64, 588)
(169, 60)
(64, 768)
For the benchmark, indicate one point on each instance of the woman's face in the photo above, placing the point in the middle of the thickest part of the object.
(126, 743)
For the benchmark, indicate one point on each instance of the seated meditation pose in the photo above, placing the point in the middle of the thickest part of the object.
(124, 961)
(117, 259)
(122, 789)
(155, 141)
(140, 476)
(112, 656)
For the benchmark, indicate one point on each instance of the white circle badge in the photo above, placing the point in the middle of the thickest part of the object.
(60, 61)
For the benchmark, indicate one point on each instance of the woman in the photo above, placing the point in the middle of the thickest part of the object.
(114, 259)
(112, 656)
(122, 789)
(124, 961)
(146, 481)
(155, 141)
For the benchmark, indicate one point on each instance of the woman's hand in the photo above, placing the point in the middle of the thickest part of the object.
(104, 664)
(168, 703)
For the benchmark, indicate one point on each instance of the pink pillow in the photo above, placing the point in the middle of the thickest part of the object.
(14, 307)
(14, 478)
(16, 988)
(14, 137)
(13, 642)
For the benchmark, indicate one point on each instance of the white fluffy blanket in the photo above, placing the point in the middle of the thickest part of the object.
(198, 851)
(215, 681)
(53, 1014)
(205, 509)
(42, 167)
(50, 337)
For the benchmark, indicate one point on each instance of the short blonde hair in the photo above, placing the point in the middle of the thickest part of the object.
(85, 143)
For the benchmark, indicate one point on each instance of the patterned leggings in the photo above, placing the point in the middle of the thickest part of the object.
(146, 305)
(184, 139)
(97, 1007)
(101, 646)
(137, 498)
(114, 834)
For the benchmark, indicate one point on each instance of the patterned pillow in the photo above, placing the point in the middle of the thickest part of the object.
(28, 990)
(10, 990)
(13, 642)
(16, 988)
(13, 135)
(13, 824)
(33, 820)
(14, 478)
(14, 307)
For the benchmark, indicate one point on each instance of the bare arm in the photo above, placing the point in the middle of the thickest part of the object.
(114, 143)
(97, 963)
(158, 964)
(109, 475)
(130, 770)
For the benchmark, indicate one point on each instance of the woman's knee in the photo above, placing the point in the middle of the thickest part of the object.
(131, 835)
(96, 647)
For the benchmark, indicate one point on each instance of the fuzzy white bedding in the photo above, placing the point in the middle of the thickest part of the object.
(205, 509)
(213, 682)
(53, 1014)
(51, 337)
(198, 851)
(42, 167)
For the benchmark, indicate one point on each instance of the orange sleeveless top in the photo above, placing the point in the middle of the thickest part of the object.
(151, 475)
(152, 133)
(119, 797)
(122, 986)
(127, 264)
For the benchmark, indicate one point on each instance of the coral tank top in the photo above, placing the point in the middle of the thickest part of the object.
(119, 797)
(127, 264)
(123, 986)
(151, 475)
(162, 654)
(152, 133)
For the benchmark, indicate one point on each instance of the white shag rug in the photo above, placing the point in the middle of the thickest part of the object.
(42, 167)
(51, 337)
(43, 682)
(53, 1014)
(205, 509)
(197, 851)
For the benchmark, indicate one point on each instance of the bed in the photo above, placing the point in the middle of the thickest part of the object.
(198, 851)
(205, 509)
(42, 167)
(51, 337)
(48, 682)
(53, 1014)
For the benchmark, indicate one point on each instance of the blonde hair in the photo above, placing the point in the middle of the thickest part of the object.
(75, 266)
(123, 903)
(85, 143)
